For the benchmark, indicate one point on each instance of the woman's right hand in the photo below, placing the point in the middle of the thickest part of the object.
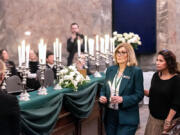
(103, 99)
(146, 93)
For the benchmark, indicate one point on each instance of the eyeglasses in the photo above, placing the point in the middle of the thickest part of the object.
(121, 53)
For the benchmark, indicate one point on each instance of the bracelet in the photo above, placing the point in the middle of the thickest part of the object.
(168, 123)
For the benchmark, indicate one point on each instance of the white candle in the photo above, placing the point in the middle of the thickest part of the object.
(102, 44)
(91, 47)
(27, 56)
(106, 43)
(111, 45)
(57, 48)
(44, 56)
(60, 52)
(79, 47)
(54, 47)
(85, 44)
(23, 51)
(19, 54)
(97, 43)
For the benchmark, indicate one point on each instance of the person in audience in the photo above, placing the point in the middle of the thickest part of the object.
(10, 111)
(121, 92)
(164, 94)
(72, 42)
(32, 81)
(9, 64)
(50, 62)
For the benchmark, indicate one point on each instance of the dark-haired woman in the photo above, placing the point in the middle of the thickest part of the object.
(164, 94)
(9, 64)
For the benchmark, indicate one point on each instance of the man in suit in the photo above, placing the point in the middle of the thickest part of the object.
(72, 42)
(10, 112)
(50, 62)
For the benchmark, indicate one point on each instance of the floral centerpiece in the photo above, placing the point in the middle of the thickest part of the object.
(69, 77)
(130, 38)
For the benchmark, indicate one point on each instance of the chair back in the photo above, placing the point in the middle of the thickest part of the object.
(13, 84)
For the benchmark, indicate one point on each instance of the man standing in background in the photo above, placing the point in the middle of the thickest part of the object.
(72, 43)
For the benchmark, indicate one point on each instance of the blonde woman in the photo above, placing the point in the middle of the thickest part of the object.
(121, 93)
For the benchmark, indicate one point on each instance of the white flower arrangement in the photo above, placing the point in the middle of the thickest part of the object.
(130, 38)
(69, 77)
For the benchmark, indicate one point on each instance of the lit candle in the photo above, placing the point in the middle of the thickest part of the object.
(44, 56)
(27, 56)
(79, 47)
(106, 43)
(20, 55)
(60, 52)
(91, 46)
(57, 50)
(54, 47)
(102, 44)
(85, 44)
(23, 51)
(111, 45)
(97, 43)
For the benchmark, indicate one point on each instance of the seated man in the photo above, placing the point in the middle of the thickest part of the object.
(10, 112)
(50, 62)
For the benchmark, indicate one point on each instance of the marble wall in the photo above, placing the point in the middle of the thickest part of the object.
(168, 31)
(50, 19)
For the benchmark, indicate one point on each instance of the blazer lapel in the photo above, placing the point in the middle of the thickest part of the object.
(113, 73)
(125, 79)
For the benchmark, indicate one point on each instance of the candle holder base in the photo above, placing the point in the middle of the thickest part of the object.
(24, 96)
(42, 91)
(57, 87)
(97, 74)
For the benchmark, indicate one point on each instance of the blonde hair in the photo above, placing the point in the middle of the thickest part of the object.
(130, 52)
(2, 67)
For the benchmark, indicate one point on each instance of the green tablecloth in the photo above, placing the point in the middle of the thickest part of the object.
(39, 115)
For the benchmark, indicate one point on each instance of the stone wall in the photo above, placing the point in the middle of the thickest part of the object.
(168, 31)
(50, 19)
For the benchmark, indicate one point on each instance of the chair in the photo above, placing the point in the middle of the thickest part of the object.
(48, 77)
(13, 84)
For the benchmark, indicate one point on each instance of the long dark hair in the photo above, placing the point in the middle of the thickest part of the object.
(1, 54)
(170, 59)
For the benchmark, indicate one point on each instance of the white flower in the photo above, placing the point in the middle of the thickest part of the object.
(125, 34)
(64, 71)
(72, 67)
(71, 78)
(139, 43)
(68, 77)
(87, 78)
(72, 74)
(114, 33)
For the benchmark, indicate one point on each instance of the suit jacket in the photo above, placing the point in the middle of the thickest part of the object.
(53, 69)
(9, 115)
(132, 91)
(72, 49)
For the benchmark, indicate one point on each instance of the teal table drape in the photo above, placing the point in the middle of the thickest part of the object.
(40, 114)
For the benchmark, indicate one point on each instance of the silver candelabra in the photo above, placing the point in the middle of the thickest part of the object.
(42, 90)
(24, 96)
(58, 66)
